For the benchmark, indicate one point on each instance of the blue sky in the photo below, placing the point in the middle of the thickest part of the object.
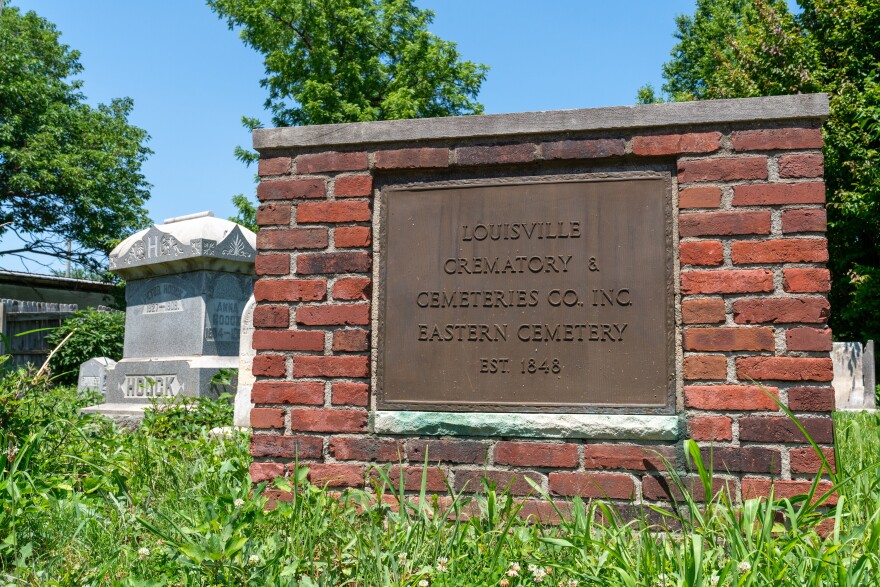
(192, 79)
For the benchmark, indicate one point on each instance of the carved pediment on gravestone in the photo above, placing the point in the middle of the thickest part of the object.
(188, 243)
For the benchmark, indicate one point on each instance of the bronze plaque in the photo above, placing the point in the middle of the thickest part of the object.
(549, 296)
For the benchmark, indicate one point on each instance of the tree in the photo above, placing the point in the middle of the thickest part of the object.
(739, 48)
(70, 174)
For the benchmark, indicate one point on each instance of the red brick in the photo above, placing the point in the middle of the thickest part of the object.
(783, 429)
(273, 214)
(786, 250)
(290, 290)
(806, 280)
(777, 194)
(288, 340)
(784, 368)
(291, 189)
(361, 448)
(811, 399)
(545, 512)
(722, 169)
(801, 165)
(495, 154)
(322, 263)
(353, 186)
(334, 315)
(272, 264)
(592, 485)
(754, 488)
(702, 311)
(292, 238)
(741, 459)
(309, 393)
(319, 366)
(271, 316)
(472, 481)
(328, 420)
(804, 220)
(724, 223)
(435, 478)
(726, 281)
(808, 339)
(777, 139)
(266, 471)
(584, 149)
(273, 166)
(351, 340)
(286, 447)
(448, 451)
(710, 428)
(352, 288)
(267, 418)
(705, 367)
(336, 475)
(671, 144)
(331, 161)
(269, 366)
(700, 197)
(658, 488)
(729, 339)
(780, 310)
(701, 253)
(346, 393)
(412, 158)
(627, 456)
(336, 211)
(352, 236)
(730, 397)
(536, 454)
(805, 460)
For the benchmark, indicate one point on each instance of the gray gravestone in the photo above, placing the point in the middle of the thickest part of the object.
(853, 376)
(246, 353)
(188, 281)
(93, 375)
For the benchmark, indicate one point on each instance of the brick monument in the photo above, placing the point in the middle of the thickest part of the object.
(555, 295)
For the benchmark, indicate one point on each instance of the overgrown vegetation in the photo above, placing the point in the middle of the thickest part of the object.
(92, 333)
(746, 48)
(85, 503)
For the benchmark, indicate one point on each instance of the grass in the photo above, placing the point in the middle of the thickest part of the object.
(85, 503)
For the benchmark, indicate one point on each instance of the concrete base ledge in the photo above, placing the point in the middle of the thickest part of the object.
(113, 410)
(598, 426)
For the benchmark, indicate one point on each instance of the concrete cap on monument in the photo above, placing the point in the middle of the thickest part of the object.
(187, 283)
(93, 375)
(185, 243)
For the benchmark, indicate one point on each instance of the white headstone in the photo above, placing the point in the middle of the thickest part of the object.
(850, 392)
(246, 353)
(93, 375)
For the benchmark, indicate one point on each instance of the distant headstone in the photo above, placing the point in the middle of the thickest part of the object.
(246, 353)
(93, 375)
(187, 284)
(853, 375)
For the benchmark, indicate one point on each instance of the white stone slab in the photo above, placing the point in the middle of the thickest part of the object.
(598, 426)
(246, 353)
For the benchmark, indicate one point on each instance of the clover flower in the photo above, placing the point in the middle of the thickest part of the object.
(503, 583)
(744, 567)
(513, 570)
(238, 502)
(143, 552)
(253, 559)
(442, 564)
(423, 583)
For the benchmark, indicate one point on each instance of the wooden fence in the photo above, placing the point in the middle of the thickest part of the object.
(17, 317)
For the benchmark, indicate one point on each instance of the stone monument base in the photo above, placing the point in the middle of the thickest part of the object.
(137, 381)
